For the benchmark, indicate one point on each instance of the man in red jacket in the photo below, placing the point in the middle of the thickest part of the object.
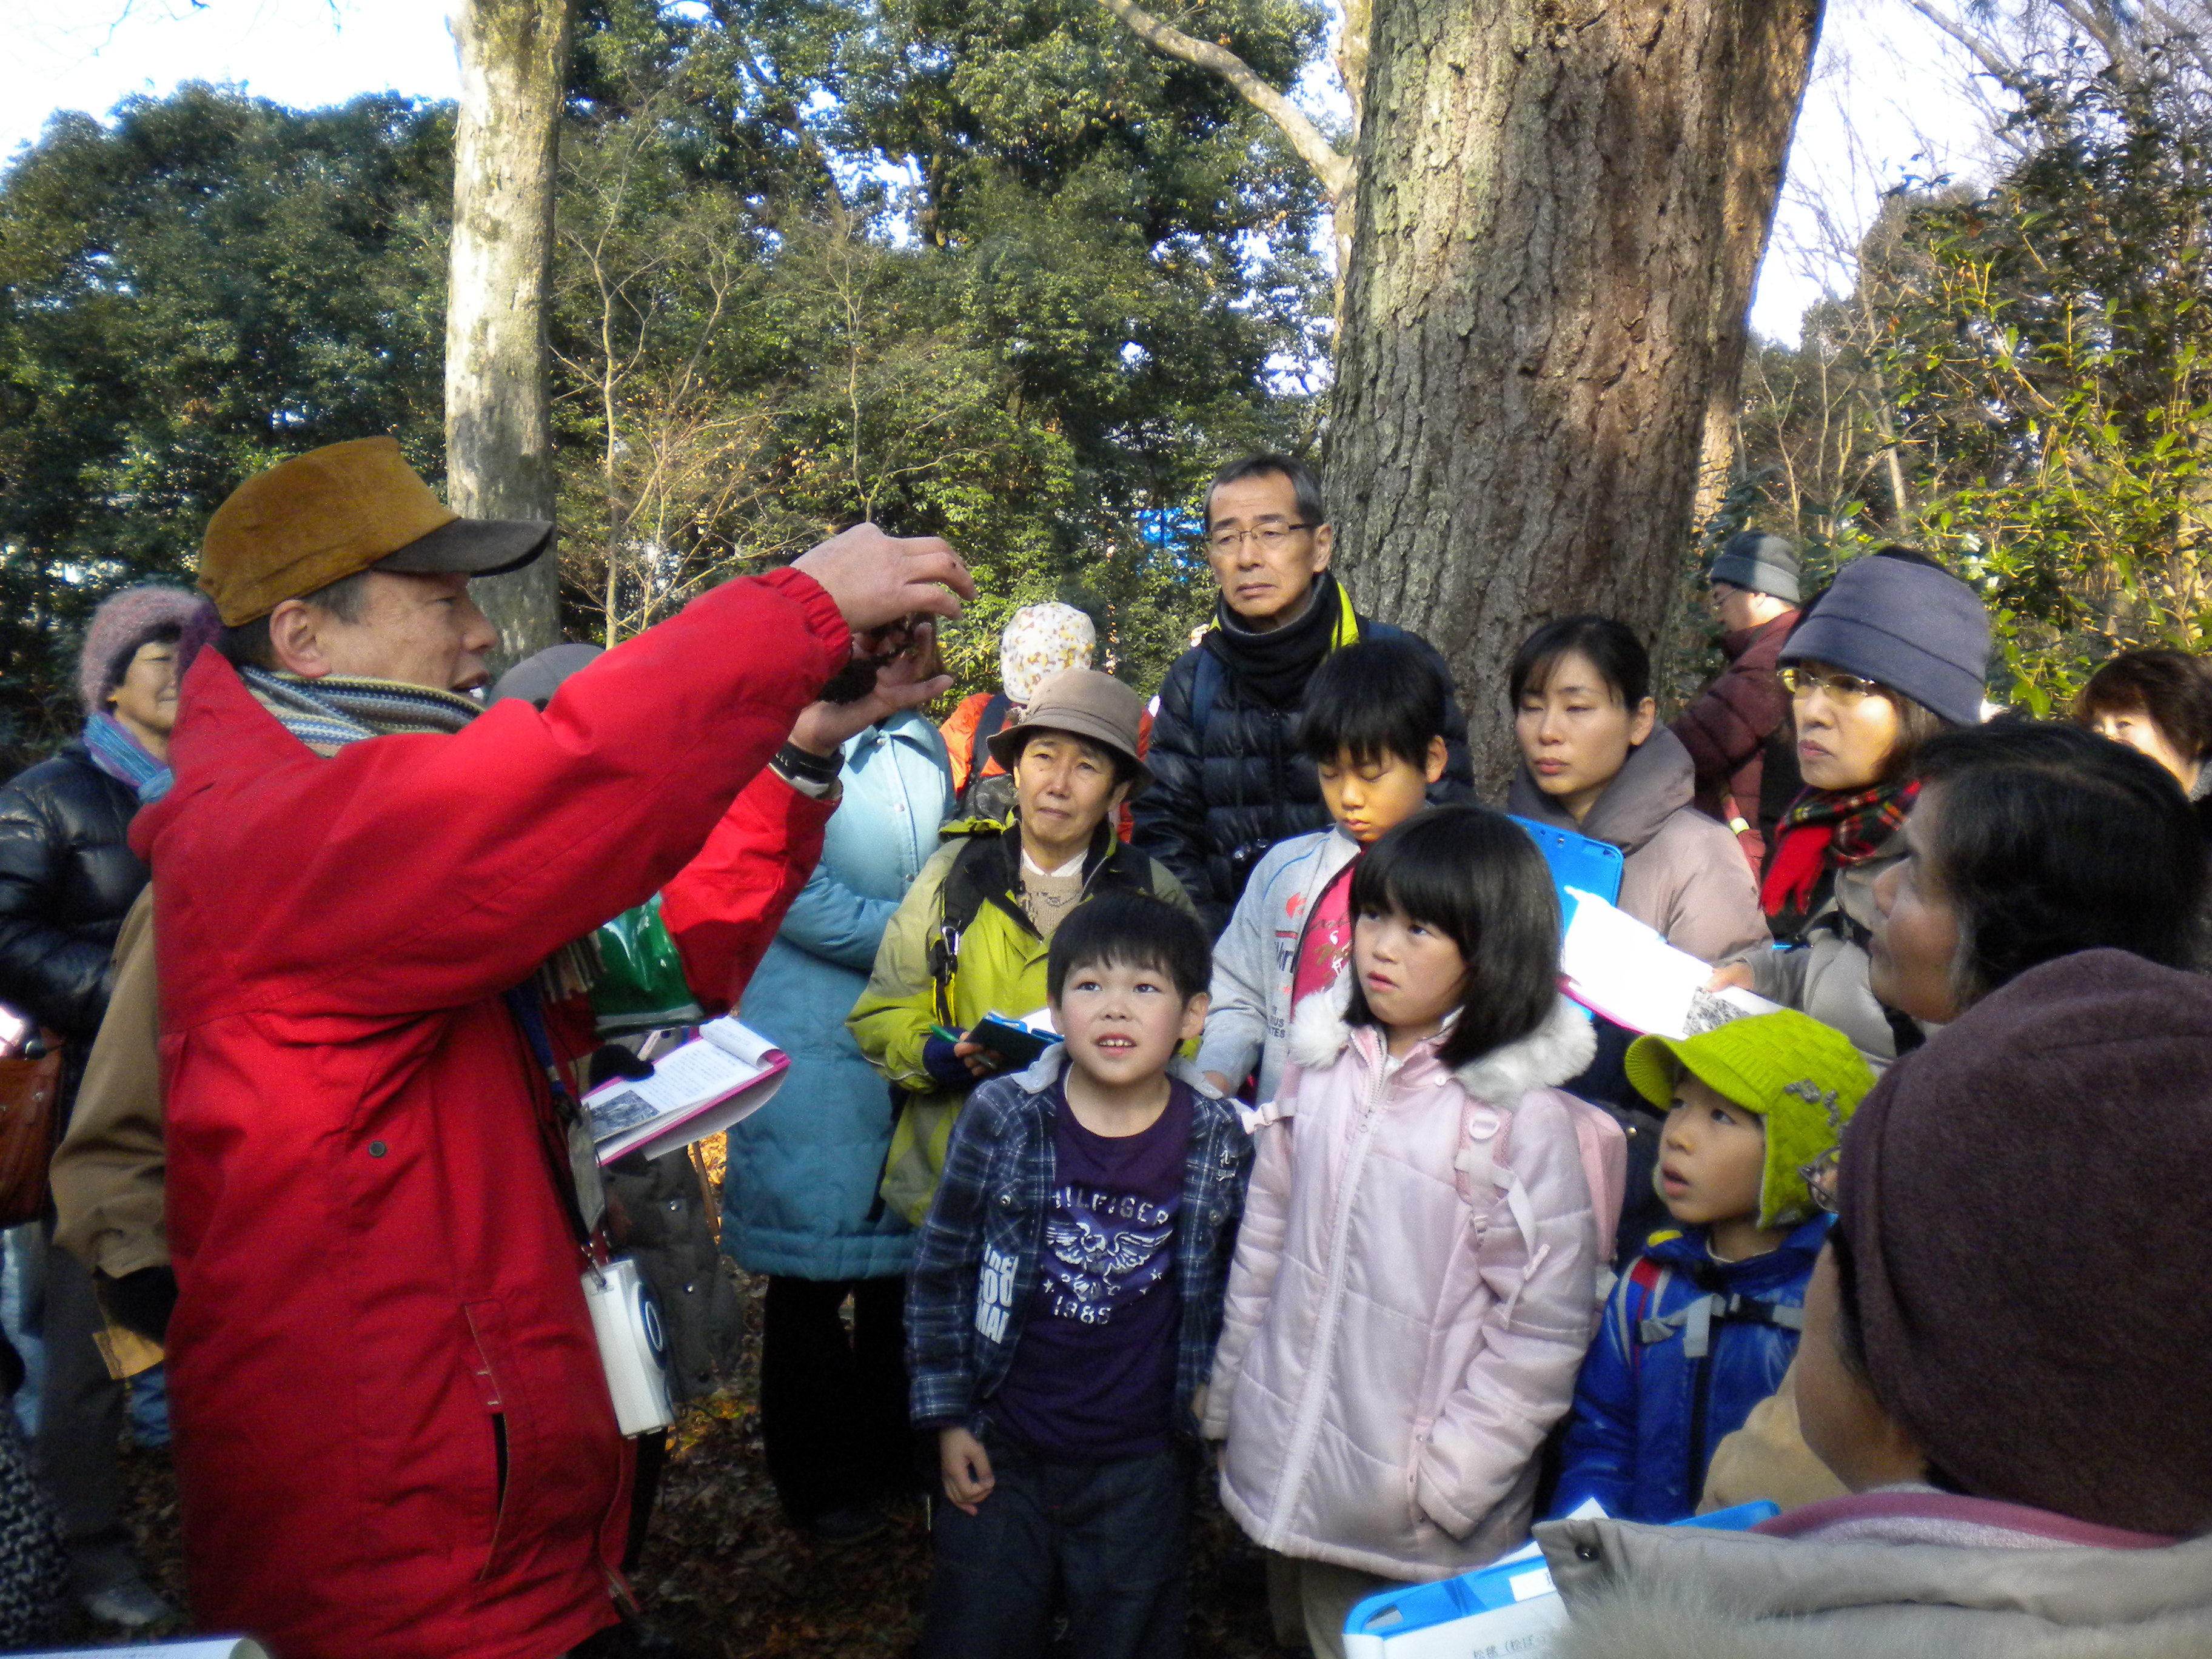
(1739, 732)
(394, 1433)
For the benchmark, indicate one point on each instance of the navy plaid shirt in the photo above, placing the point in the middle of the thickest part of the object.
(975, 1258)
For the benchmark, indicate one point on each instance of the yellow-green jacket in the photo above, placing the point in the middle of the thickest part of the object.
(996, 961)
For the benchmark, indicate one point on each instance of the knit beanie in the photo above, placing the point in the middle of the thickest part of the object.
(1762, 562)
(1803, 1077)
(123, 622)
(1918, 630)
(1041, 640)
(2024, 1202)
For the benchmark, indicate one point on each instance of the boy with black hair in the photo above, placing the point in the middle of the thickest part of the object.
(1064, 1303)
(1375, 728)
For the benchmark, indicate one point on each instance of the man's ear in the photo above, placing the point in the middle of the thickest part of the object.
(1194, 1017)
(1324, 542)
(295, 639)
(1114, 801)
(1433, 767)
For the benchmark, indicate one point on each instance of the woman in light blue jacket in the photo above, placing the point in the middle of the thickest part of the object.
(800, 1203)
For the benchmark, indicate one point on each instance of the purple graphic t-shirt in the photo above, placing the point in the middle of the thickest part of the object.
(1093, 1375)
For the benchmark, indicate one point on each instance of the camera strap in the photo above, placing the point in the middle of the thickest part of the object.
(566, 1137)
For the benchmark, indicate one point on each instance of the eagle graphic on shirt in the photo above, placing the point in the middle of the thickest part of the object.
(1105, 1250)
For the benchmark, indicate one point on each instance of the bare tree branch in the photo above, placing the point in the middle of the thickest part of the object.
(2009, 73)
(1330, 165)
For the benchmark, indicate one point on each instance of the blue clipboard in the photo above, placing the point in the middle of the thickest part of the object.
(1506, 1608)
(1576, 862)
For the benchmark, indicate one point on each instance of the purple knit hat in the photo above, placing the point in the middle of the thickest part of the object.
(2024, 1202)
(124, 621)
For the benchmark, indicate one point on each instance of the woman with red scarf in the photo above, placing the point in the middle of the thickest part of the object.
(1894, 652)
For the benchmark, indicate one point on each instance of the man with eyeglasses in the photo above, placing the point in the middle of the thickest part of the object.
(1738, 731)
(1228, 783)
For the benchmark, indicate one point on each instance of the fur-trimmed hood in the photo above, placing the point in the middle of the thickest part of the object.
(1642, 1592)
(1691, 1621)
(1556, 1050)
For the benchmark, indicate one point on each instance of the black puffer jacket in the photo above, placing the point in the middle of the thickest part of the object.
(67, 876)
(1223, 795)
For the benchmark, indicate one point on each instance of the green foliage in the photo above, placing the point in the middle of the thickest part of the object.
(980, 269)
(976, 268)
(2038, 352)
(185, 297)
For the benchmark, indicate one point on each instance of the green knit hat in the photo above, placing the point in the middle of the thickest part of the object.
(1803, 1077)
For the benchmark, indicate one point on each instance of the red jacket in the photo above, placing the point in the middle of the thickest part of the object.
(393, 1434)
(1739, 736)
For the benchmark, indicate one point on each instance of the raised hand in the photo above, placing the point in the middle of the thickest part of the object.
(877, 579)
(821, 727)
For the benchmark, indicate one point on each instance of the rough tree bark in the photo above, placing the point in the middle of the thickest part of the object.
(1561, 206)
(499, 450)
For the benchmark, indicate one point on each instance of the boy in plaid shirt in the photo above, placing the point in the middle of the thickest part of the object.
(1064, 1303)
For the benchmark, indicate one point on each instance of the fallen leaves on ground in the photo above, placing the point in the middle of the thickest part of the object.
(727, 1574)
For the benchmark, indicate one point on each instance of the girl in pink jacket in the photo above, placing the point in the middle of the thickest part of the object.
(1415, 1280)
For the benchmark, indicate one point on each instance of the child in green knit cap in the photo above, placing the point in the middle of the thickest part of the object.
(1703, 1326)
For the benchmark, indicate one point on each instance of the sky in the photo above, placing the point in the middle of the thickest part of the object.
(1888, 97)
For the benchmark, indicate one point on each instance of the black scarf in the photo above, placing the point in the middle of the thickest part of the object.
(1275, 666)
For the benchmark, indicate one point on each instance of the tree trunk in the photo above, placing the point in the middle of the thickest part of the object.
(1561, 206)
(499, 450)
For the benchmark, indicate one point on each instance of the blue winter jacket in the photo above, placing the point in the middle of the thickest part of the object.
(1649, 1408)
(801, 1198)
(975, 1267)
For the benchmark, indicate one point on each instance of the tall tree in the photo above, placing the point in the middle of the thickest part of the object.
(1559, 220)
(498, 458)
(1557, 209)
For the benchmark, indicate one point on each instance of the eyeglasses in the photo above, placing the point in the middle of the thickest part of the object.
(1844, 688)
(1270, 536)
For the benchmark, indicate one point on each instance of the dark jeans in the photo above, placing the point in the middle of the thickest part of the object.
(79, 1429)
(1112, 1539)
(833, 1402)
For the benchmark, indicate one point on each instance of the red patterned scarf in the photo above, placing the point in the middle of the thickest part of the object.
(1824, 832)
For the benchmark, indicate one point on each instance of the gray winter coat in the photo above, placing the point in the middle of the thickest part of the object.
(1827, 975)
(1641, 1592)
(1683, 873)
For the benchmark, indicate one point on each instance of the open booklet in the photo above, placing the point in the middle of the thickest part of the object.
(697, 1089)
(1615, 965)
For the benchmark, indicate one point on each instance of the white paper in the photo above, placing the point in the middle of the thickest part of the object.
(695, 1091)
(1619, 967)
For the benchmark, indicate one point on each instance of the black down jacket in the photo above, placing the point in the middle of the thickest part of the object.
(67, 876)
(1223, 795)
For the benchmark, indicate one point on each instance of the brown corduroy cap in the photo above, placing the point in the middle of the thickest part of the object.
(2025, 1198)
(337, 511)
(1089, 704)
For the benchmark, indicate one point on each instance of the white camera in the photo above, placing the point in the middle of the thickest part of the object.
(633, 1346)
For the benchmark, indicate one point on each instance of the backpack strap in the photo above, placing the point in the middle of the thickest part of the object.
(967, 886)
(1204, 692)
(1696, 1320)
(1651, 1278)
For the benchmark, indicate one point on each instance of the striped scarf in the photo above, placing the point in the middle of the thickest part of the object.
(328, 714)
(124, 758)
(1823, 833)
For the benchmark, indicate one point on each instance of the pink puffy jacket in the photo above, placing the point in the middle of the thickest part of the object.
(1392, 1354)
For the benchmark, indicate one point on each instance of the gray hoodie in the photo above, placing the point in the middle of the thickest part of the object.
(1901, 1573)
(1684, 873)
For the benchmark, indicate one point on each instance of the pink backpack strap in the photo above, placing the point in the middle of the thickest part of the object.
(1486, 1134)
